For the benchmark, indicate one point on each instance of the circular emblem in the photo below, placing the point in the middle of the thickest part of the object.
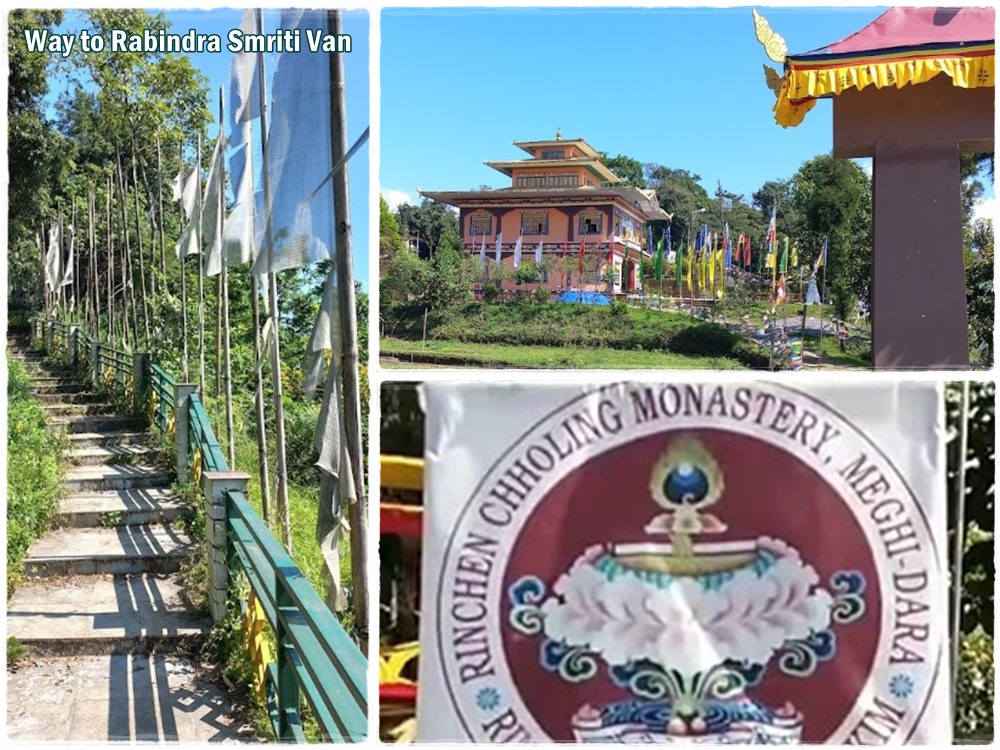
(691, 563)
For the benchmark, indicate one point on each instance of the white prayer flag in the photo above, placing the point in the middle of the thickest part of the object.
(189, 194)
(67, 269)
(211, 212)
(325, 336)
(538, 254)
(606, 547)
(299, 226)
(482, 251)
(177, 185)
(812, 293)
(53, 258)
(238, 232)
(244, 82)
(517, 252)
(499, 246)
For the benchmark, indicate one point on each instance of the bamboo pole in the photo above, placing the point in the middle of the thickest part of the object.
(358, 515)
(201, 283)
(159, 197)
(959, 548)
(281, 477)
(183, 270)
(142, 259)
(224, 289)
(263, 471)
(111, 264)
(75, 260)
(129, 275)
(93, 316)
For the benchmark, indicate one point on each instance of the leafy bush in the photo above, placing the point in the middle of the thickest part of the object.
(559, 324)
(974, 709)
(300, 429)
(33, 471)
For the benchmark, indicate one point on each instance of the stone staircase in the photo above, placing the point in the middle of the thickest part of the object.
(112, 644)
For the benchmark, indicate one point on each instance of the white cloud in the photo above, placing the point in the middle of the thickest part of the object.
(985, 209)
(396, 198)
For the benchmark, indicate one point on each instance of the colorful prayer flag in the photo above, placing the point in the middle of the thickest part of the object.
(658, 263)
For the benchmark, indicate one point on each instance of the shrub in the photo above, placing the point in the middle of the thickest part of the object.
(704, 338)
(33, 472)
(974, 709)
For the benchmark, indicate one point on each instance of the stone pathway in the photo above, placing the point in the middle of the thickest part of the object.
(112, 643)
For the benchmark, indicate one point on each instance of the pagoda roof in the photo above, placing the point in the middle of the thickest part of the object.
(908, 28)
(581, 144)
(902, 47)
(642, 201)
(592, 164)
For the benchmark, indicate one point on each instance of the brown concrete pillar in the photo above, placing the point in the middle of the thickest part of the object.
(919, 318)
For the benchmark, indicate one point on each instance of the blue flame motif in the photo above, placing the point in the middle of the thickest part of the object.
(525, 595)
(571, 663)
(849, 600)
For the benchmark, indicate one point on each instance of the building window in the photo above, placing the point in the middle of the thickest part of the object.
(535, 222)
(591, 222)
(480, 224)
(548, 180)
(554, 154)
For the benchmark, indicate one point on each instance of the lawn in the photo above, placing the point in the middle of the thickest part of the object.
(558, 335)
(457, 353)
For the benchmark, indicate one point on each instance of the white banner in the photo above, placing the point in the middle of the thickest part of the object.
(672, 562)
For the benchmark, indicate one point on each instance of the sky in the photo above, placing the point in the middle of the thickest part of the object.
(215, 66)
(681, 87)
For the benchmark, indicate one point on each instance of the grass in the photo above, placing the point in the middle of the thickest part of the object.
(34, 466)
(555, 334)
(534, 357)
(854, 355)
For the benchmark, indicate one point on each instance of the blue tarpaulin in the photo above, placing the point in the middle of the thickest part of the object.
(585, 298)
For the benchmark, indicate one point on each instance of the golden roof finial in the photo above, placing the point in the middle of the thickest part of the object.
(558, 134)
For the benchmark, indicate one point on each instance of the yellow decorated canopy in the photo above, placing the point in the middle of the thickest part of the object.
(902, 46)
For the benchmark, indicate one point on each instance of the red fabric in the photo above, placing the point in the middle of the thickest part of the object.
(401, 520)
(914, 27)
(397, 692)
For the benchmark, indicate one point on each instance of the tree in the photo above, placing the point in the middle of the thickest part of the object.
(626, 168)
(681, 194)
(427, 224)
(389, 240)
(833, 198)
(979, 289)
(36, 157)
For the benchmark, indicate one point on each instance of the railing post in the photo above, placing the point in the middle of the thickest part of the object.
(50, 326)
(182, 425)
(140, 382)
(74, 333)
(95, 363)
(215, 486)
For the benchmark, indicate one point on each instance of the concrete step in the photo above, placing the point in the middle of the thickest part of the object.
(69, 387)
(109, 438)
(45, 378)
(122, 550)
(110, 454)
(104, 614)
(97, 700)
(104, 477)
(101, 408)
(121, 508)
(77, 424)
(69, 397)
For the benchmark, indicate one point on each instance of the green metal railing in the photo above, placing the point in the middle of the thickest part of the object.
(315, 657)
(161, 402)
(202, 441)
